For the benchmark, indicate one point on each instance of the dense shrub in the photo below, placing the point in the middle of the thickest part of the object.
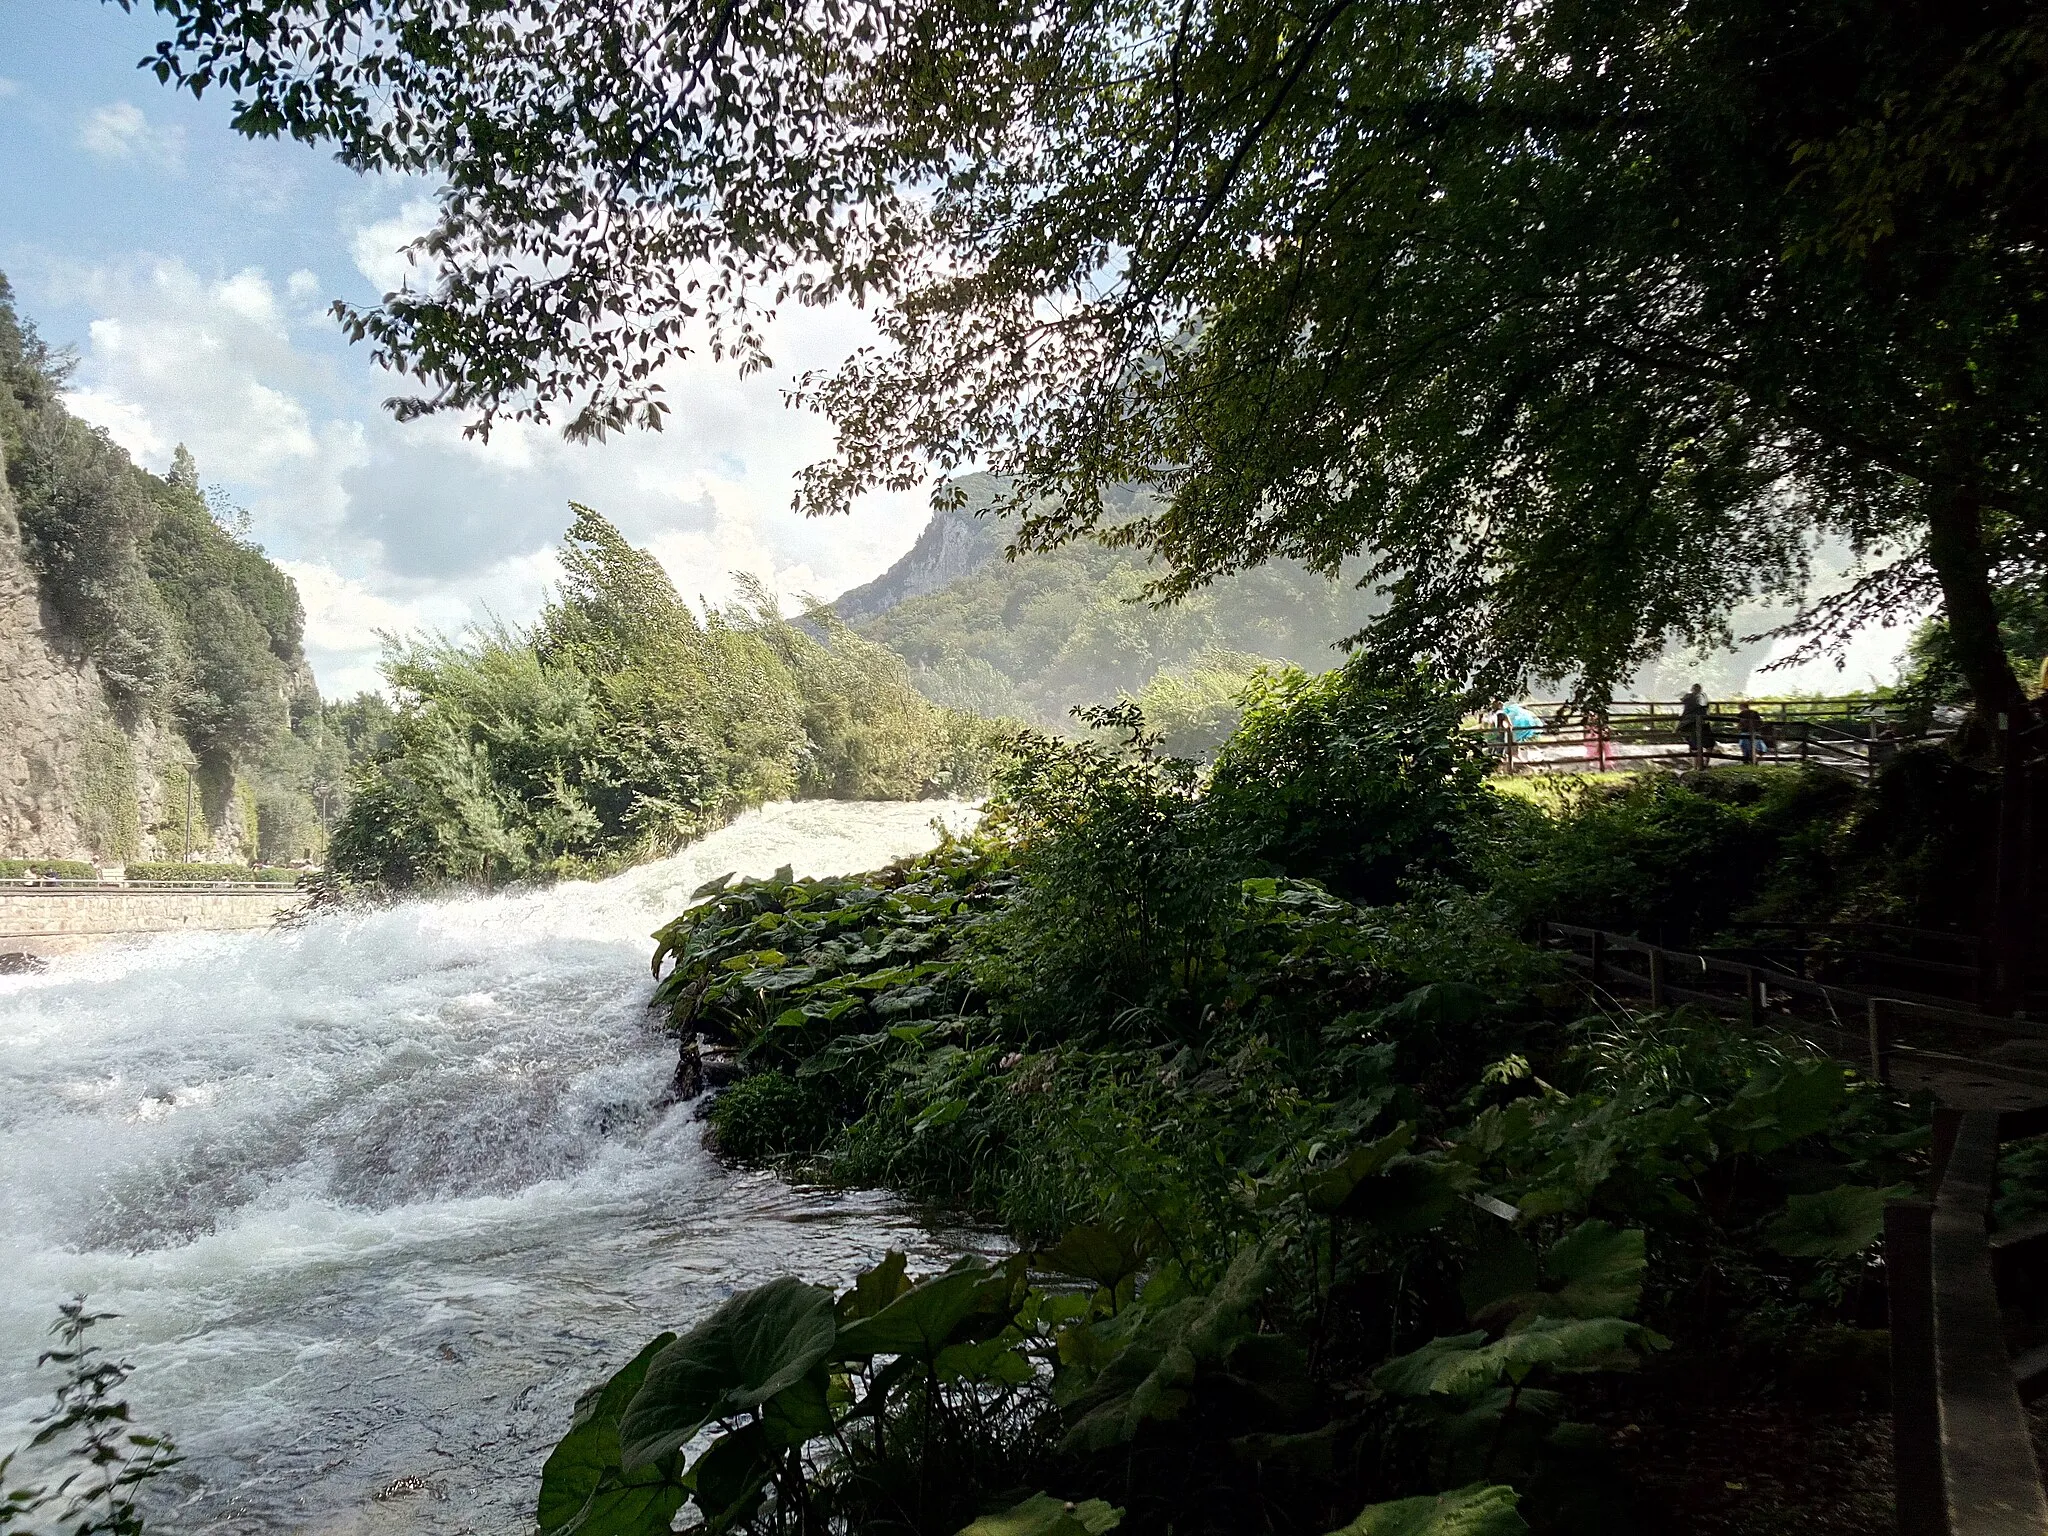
(625, 724)
(1342, 1202)
(1675, 858)
(1353, 777)
(212, 872)
(59, 869)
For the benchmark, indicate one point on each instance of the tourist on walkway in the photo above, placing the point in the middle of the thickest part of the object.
(1694, 725)
(1755, 743)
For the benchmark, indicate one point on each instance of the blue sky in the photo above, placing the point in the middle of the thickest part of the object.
(191, 270)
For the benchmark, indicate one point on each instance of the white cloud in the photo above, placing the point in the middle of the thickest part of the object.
(122, 131)
(9, 87)
(405, 527)
(378, 249)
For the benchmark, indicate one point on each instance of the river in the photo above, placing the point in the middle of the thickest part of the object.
(377, 1197)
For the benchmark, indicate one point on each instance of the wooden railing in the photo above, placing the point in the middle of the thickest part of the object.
(1855, 735)
(1963, 1455)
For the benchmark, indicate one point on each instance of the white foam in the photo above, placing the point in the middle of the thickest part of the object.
(377, 1196)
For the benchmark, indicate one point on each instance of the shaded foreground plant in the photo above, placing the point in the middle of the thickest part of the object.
(107, 1460)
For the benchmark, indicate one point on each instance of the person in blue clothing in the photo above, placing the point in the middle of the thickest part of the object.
(1524, 725)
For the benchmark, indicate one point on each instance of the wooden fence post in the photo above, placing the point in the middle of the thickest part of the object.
(1916, 1407)
(1880, 1042)
(1752, 997)
(1656, 977)
(1599, 967)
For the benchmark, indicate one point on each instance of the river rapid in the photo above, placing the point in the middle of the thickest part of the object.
(376, 1198)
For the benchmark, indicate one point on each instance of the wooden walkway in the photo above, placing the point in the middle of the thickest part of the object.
(1857, 736)
(1963, 1454)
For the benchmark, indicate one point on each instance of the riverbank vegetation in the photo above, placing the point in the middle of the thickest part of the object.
(625, 723)
(1330, 1192)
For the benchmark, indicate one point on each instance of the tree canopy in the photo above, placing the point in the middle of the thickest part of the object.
(1585, 319)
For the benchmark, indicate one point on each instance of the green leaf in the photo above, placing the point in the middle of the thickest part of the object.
(991, 1360)
(581, 1458)
(1102, 1255)
(1463, 1364)
(1044, 1515)
(1592, 1271)
(1505, 1266)
(731, 1474)
(1477, 1510)
(756, 1345)
(971, 1300)
(1330, 1188)
(1411, 1195)
(628, 1509)
(1835, 1224)
(1152, 1376)
(874, 1288)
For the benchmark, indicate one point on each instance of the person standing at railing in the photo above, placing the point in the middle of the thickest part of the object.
(1599, 741)
(1750, 725)
(1694, 725)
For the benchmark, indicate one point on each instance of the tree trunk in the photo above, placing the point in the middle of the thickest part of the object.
(1955, 548)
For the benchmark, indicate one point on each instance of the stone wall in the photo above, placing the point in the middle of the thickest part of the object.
(55, 921)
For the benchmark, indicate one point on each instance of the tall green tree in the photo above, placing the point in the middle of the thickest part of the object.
(1587, 318)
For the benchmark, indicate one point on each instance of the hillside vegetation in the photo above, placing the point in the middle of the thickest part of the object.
(186, 622)
(624, 723)
(1034, 637)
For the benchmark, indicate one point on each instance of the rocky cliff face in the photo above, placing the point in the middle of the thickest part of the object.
(75, 783)
(954, 544)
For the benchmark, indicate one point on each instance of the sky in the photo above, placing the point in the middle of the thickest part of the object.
(191, 270)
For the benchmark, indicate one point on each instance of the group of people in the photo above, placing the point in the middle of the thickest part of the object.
(1696, 725)
(1514, 723)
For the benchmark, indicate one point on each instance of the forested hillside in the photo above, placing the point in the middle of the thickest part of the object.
(1033, 637)
(207, 732)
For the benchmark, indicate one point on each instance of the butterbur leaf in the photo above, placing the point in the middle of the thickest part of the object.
(628, 1509)
(1411, 1195)
(973, 1300)
(1599, 1270)
(731, 1474)
(993, 1360)
(1099, 1254)
(1504, 1266)
(1464, 1364)
(591, 1448)
(874, 1288)
(755, 1346)
(1592, 1271)
(800, 1412)
(712, 887)
(1328, 1190)
(1152, 1376)
(1835, 1224)
(1044, 1515)
(1479, 1509)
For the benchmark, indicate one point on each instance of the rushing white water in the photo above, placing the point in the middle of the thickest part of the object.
(376, 1198)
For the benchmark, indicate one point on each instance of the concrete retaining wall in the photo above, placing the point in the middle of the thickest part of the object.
(49, 922)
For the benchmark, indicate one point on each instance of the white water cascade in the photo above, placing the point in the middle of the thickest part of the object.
(376, 1198)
